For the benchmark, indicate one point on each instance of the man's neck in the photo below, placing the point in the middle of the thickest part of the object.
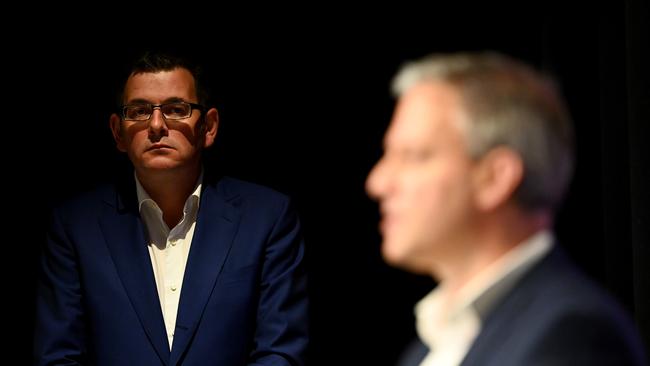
(170, 189)
(495, 238)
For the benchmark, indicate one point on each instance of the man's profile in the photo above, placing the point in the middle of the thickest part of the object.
(476, 161)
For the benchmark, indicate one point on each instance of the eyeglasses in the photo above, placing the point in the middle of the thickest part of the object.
(173, 111)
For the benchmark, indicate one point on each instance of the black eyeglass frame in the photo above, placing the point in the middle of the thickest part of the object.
(193, 106)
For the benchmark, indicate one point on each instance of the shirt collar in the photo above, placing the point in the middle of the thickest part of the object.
(191, 203)
(483, 291)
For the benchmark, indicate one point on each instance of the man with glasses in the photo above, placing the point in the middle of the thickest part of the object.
(173, 267)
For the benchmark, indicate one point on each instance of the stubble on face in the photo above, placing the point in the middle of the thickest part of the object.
(422, 181)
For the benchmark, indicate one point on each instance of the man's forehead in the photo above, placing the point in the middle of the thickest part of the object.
(177, 83)
(422, 112)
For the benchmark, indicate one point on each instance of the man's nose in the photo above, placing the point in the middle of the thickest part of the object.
(378, 180)
(157, 122)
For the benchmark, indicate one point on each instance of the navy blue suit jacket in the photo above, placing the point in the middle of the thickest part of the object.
(243, 299)
(553, 316)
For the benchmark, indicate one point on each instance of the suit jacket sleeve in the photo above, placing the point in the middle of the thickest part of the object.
(59, 332)
(281, 335)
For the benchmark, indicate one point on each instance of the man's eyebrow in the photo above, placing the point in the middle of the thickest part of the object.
(146, 101)
(138, 101)
(174, 100)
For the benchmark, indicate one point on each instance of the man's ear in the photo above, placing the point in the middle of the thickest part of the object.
(210, 127)
(496, 177)
(115, 123)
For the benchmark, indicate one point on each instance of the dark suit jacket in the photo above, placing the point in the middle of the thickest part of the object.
(243, 298)
(553, 316)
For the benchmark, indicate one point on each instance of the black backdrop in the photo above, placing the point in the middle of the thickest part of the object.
(304, 103)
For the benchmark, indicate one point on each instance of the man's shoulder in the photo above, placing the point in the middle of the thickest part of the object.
(555, 312)
(559, 284)
(232, 188)
(86, 199)
(555, 288)
(83, 207)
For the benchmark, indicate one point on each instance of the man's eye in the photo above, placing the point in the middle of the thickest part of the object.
(176, 111)
(139, 111)
(134, 112)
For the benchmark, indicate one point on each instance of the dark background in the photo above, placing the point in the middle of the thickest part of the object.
(304, 102)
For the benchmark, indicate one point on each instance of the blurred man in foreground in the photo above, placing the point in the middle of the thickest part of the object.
(477, 158)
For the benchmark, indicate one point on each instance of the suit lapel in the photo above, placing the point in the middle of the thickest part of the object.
(498, 327)
(124, 235)
(216, 225)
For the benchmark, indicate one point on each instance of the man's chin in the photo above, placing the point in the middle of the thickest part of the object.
(160, 165)
(398, 256)
(394, 254)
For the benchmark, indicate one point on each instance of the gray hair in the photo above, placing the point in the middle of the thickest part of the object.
(507, 103)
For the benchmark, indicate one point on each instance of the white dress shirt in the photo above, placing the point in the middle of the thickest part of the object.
(169, 250)
(448, 326)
